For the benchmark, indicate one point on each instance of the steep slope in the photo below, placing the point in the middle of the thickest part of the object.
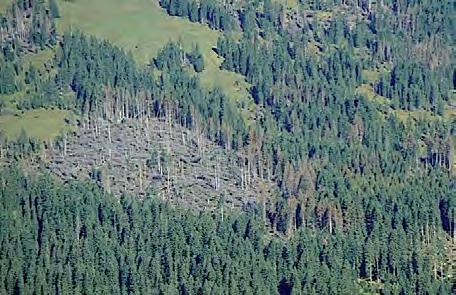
(138, 158)
(149, 29)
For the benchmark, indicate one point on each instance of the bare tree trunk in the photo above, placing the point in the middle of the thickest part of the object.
(330, 221)
(64, 144)
(140, 178)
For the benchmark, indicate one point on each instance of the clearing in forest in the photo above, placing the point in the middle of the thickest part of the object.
(4, 5)
(41, 124)
(142, 27)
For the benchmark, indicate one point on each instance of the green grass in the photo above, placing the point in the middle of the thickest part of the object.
(371, 76)
(291, 4)
(139, 26)
(42, 62)
(450, 114)
(41, 124)
(366, 89)
(142, 27)
(10, 100)
(323, 15)
(39, 59)
(4, 5)
(404, 115)
(368, 92)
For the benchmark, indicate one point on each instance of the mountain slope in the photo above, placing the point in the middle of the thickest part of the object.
(176, 164)
(347, 127)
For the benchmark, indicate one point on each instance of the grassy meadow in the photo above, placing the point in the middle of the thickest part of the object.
(139, 26)
(41, 124)
(142, 27)
(4, 5)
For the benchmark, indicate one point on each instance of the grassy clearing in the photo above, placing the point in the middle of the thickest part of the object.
(367, 91)
(371, 76)
(40, 59)
(450, 113)
(323, 15)
(289, 3)
(142, 27)
(404, 115)
(41, 124)
(4, 5)
(9, 101)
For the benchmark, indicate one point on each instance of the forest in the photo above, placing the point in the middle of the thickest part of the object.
(350, 124)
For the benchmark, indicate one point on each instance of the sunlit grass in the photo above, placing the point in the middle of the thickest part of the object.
(142, 27)
(4, 5)
(42, 124)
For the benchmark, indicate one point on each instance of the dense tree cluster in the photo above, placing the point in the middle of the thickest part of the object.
(109, 84)
(314, 120)
(208, 12)
(413, 86)
(196, 59)
(27, 25)
(366, 197)
(172, 56)
(74, 239)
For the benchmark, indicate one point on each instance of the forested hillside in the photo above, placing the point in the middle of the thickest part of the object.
(74, 240)
(330, 169)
